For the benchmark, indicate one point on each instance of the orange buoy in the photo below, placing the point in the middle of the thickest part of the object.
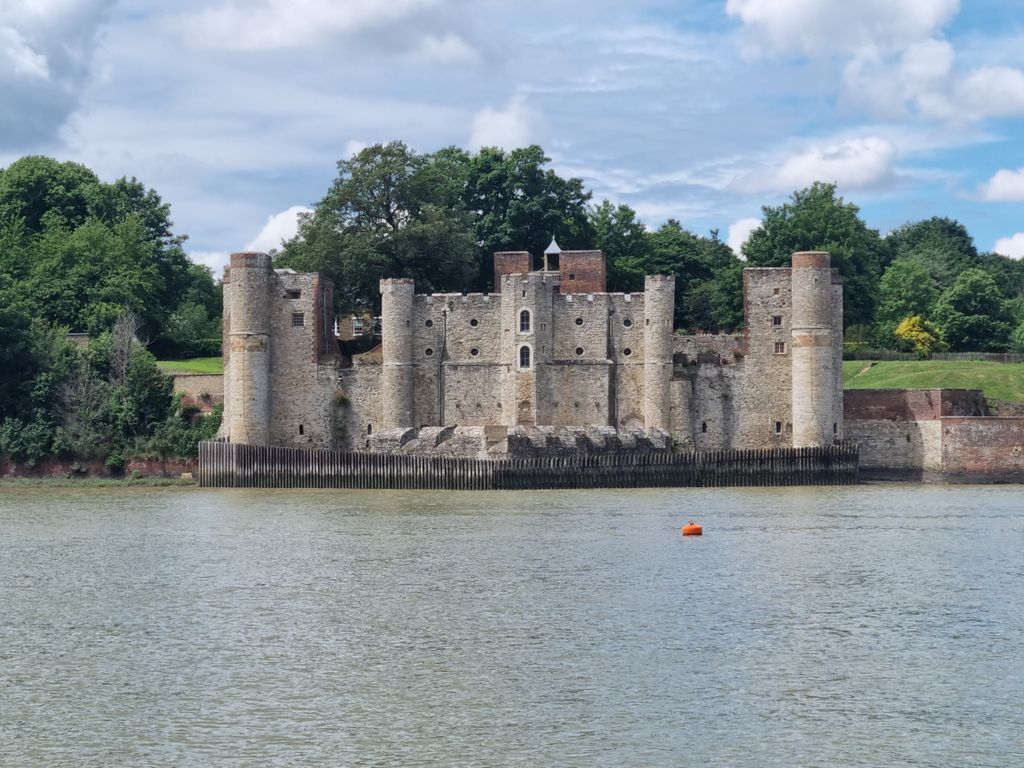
(692, 529)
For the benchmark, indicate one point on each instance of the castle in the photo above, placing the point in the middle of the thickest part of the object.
(549, 362)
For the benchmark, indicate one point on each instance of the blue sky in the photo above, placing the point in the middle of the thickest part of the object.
(237, 112)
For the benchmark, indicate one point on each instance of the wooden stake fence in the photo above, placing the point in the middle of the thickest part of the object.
(231, 465)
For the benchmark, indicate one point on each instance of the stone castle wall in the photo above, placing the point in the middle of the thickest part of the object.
(279, 356)
(537, 353)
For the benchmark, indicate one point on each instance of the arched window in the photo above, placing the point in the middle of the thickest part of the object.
(524, 357)
(524, 321)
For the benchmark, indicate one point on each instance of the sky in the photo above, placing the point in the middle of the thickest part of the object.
(700, 110)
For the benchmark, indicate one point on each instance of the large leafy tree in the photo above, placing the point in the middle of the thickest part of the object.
(708, 277)
(943, 246)
(79, 251)
(519, 204)
(390, 213)
(36, 186)
(972, 313)
(437, 218)
(907, 289)
(816, 218)
(15, 353)
(626, 244)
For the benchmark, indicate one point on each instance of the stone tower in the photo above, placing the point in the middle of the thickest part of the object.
(816, 417)
(247, 390)
(659, 311)
(396, 338)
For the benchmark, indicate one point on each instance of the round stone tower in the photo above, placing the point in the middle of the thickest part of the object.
(659, 312)
(247, 411)
(396, 339)
(813, 359)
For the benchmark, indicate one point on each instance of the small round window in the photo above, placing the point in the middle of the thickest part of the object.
(579, 321)
(474, 322)
(628, 323)
(627, 351)
(428, 352)
(579, 350)
(474, 351)
(429, 323)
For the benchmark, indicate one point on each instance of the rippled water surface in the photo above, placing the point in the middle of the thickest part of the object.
(872, 626)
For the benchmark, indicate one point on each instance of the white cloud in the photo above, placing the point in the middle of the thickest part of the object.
(1005, 186)
(20, 55)
(853, 164)
(918, 79)
(215, 260)
(846, 26)
(991, 92)
(46, 52)
(897, 62)
(923, 79)
(1011, 246)
(279, 227)
(739, 233)
(447, 49)
(286, 24)
(514, 126)
(354, 147)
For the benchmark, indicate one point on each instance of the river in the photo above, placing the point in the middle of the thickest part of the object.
(877, 625)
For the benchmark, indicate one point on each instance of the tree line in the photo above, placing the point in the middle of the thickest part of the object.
(78, 254)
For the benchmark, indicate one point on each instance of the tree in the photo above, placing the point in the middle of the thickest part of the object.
(15, 355)
(625, 242)
(708, 277)
(972, 313)
(918, 335)
(390, 213)
(80, 250)
(1017, 340)
(34, 186)
(907, 289)
(943, 246)
(519, 205)
(815, 218)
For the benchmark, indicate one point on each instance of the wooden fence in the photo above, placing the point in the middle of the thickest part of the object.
(890, 355)
(230, 465)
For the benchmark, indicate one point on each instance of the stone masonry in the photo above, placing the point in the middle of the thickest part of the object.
(549, 361)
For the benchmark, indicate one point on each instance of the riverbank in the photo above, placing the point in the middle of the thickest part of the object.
(97, 482)
(134, 471)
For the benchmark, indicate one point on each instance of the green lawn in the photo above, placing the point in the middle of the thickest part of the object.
(195, 365)
(999, 381)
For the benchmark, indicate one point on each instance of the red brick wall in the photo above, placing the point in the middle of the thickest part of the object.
(581, 272)
(510, 263)
(983, 448)
(911, 404)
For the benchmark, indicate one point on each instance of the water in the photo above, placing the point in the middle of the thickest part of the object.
(868, 626)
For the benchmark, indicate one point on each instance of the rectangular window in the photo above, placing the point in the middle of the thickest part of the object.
(293, 294)
(775, 291)
(298, 320)
(780, 347)
(776, 319)
(778, 427)
(572, 275)
(357, 326)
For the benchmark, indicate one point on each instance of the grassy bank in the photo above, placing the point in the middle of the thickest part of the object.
(998, 381)
(195, 365)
